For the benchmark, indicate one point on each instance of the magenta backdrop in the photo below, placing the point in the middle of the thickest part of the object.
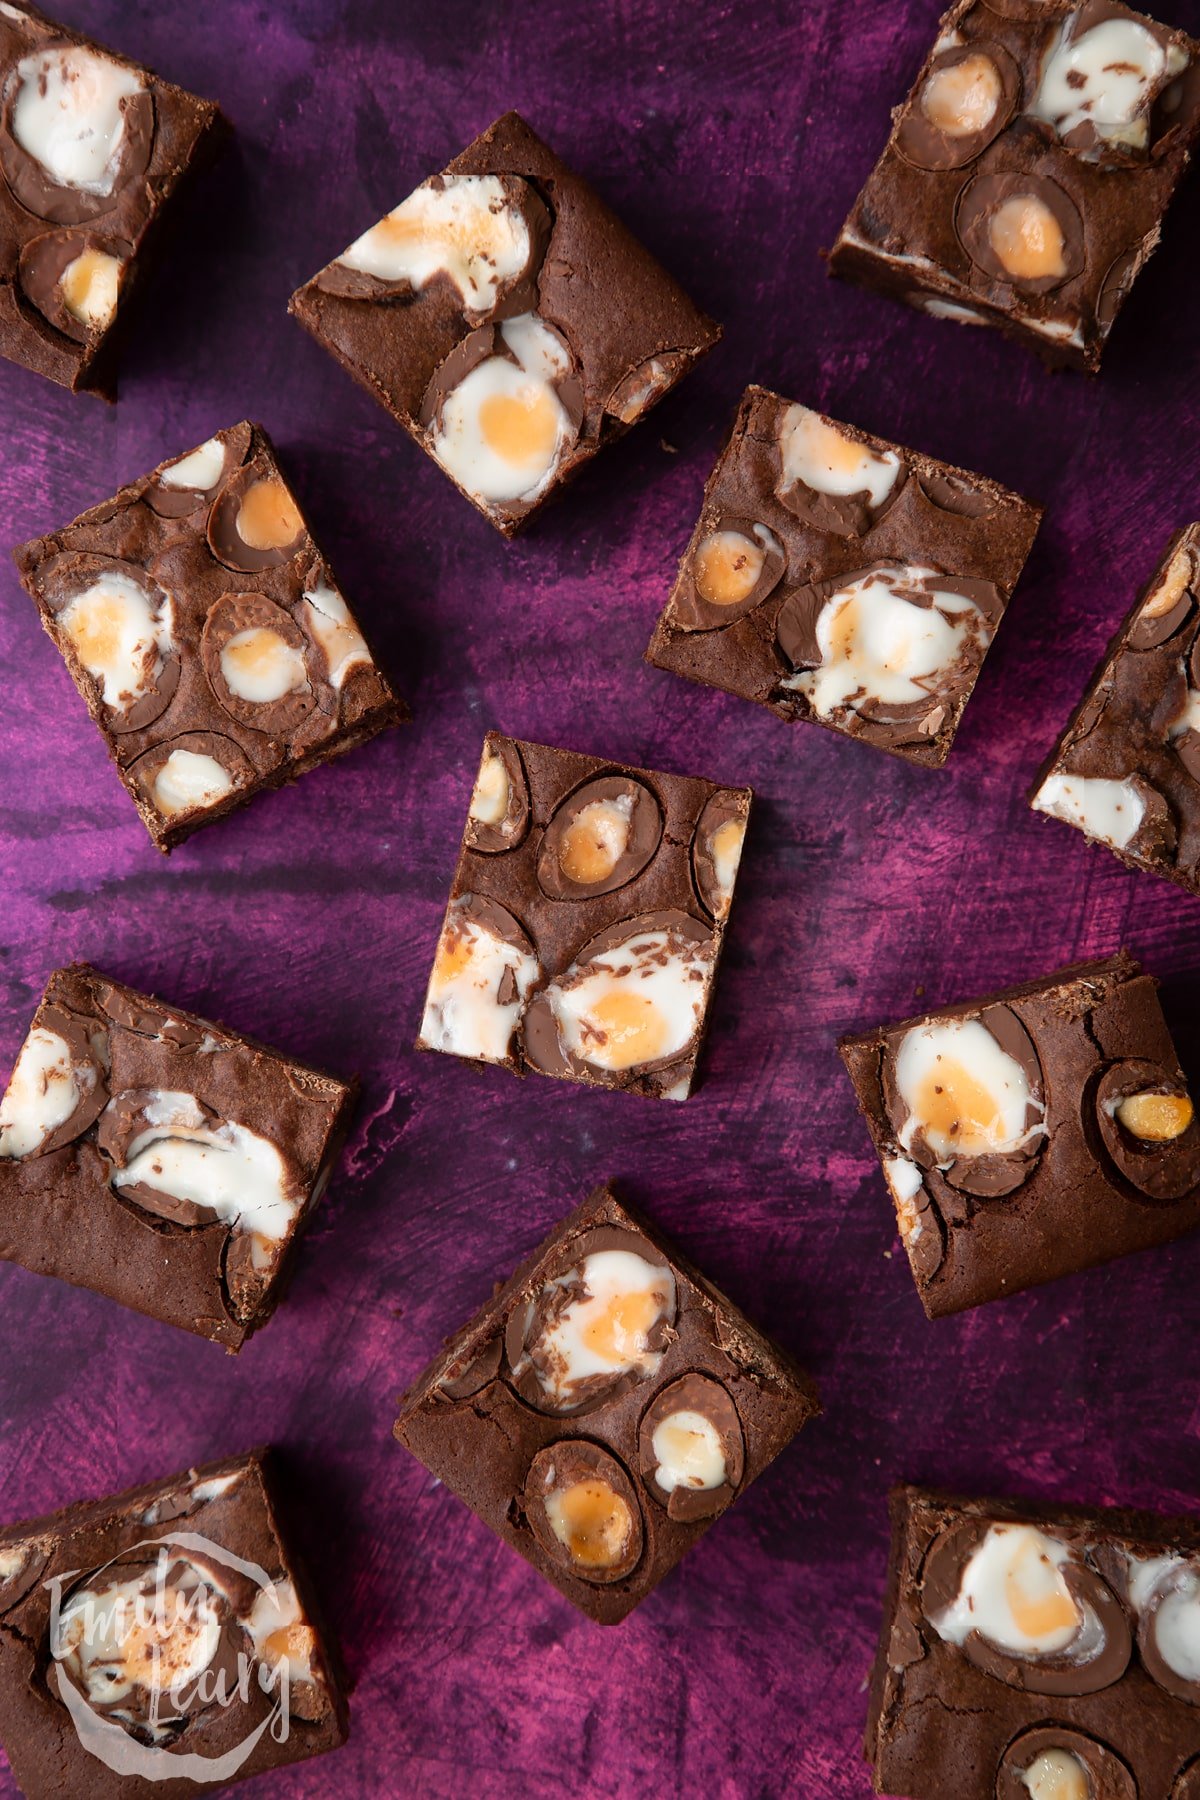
(733, 139)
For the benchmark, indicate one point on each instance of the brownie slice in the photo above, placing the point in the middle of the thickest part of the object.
(836, 578)
(93, 149)
(604, 1407)
(1028, 172)
(207, 635)
(1126, 771)
(160, 1159)
(162, 1641)
(586, 920)
(1031, 1133)
(508, 320)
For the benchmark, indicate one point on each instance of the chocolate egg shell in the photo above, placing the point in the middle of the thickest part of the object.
(699, 1394)
(1047, 1674)
(465, 1377)
(35, 188)
(986, 1177)
(844, 515)
(466, 356)
(179, 503)
(1163, 1170)
(1108, 1776)
(1157, 834)
(691, 611)
(244, 1282)
(77, 1033)
(923, 1234)
(796, 627)
(645, 385)
(1187, 748)
(1167, 605)
(643, 832)
(71, 575)
(509, 832)
(1182, 1574)
(918, 720)
(953, 494)
(31, 1558)
(980, 200)
(1186, 1785)
(541, 1039)
(919, 141)
(128, 1012)
(44, 261)
(478, 345)
(558, 1467)
(224, 533)
(530, 1317)
(725, 809)
(233, 614)
(123, 1121)
(143, 1702)
(144, 771)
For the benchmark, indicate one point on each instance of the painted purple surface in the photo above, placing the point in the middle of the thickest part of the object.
(733, 139)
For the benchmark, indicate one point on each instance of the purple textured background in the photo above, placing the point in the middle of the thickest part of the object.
(733, 139)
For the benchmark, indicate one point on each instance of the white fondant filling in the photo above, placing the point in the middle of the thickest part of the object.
(725, 848)
(190, 779)
(279, 1631)
(503, 429)
(199, 469)
(951, 309)
(463, 1013)
(1111, 811)
(689, 1453)
(261, 666)
(95, 303)
(69, 115)
(1189, 718)
(1103, 77)
(490, 796)
(463, 227)
(133, 1639)
(828, 461)
(1056, 1775)
(638, 1002)
(960, 1058)
(1177, 1618)
(1014, 1595)
(879, 646)
(605, 1331)
(119, 636)
(332, 625)
(43, 1092)
(231, 1171)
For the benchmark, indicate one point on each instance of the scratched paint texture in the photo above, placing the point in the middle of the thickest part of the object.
(733, 139)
